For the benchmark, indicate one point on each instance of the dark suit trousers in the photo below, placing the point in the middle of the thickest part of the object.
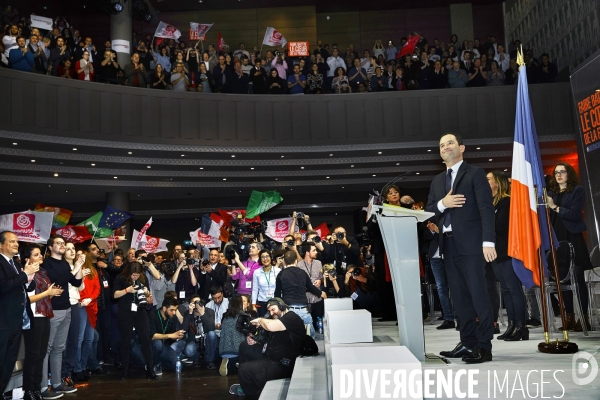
(36, 346)
(10, 341)
(468, 288)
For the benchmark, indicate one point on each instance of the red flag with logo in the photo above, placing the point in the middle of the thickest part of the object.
(322, 230)
(73, 234)
(278, 229)
(220, 42)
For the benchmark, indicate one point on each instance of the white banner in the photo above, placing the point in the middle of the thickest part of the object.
(137, 239)
(278, 229)
(167, 31)
(107, 244)
(29, 226)
(121, 46)
(206, 240)
(274, 38)
(151, 244)
(198, 31)
(41, 22)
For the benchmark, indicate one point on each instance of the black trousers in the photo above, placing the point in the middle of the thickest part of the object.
(492, 288)
(36, 345)
(317, 310)
(126, 321)
(256, 369)
(385, 289)
(104, 329)
(10, 341)
(468, 285)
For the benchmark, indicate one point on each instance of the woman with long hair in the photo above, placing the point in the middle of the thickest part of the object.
(274, 82)
(85, 68)
(340, 83)
(495, 77)
(314, 79)
(566, 200)
(263, 281)
(36, 338)
(231, 338)
(512, 293)
(159, 79)
(88, 315)
(125, 289)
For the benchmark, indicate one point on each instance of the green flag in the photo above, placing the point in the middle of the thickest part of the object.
(262, 201)
(92, 225)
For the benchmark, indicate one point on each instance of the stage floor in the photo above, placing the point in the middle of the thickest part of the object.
(511, 360)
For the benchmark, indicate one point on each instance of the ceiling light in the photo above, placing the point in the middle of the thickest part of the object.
(115, 177)
(374, 175)
(342, 187)
(327, 177)
(130, 152)
(201, 167)
(183, 155)
(240, 191)
(224, 179)
(397, 163)
(55, 174)
(379, 152)
(418, 173)
(331, 155)
(291, 189)
(233, 155)
(352, 166)
(138, 195)
(10, 193)
(116, 7)
(251, 167)
(479, 148)
(74, 148)
(505, 169)
(429, 150)
(14, 144)
(276, 178)
(148, 166)
(32, 160)
(282, 156)
(490, 159)
(93, 165)
(66, 191)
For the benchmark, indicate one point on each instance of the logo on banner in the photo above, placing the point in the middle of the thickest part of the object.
(66, 233)
(152, 244)
(23, 223)
(282, 226)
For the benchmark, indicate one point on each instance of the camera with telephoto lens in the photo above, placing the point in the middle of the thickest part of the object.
(239, 227)
(257, 228)
(339, 235)
(140, 296)
(190, 261)
(357, 271)
(289, 242)
(316, 239)
(149, 258)
(240, 247)
(168, 267)
(258, 333)
(332, 273)
(205, 263)
(300, 215)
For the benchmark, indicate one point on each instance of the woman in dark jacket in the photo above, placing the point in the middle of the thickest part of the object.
(275, 84)
(566, 200)
(512, 293)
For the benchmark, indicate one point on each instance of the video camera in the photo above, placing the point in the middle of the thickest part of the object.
(149, 258)
(241, 247)
(258, 333)
(140, 299)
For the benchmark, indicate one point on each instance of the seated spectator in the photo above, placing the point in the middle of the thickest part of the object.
(296, 82)
(179, 79)
(108, 69)
(448, 64)
(259, 365)
(85, 68)
(548, 71)
(495, 77)
(20, 57)
(167, 343)
(158, 78)
(438, 77)
(237, 81)
(275, 85)
(512, 73)
(314, 80)
(280, 65)
(477, 75)
(378, 83)
(453, 54)
(135, 73)
(230, 338)
(205, 79)
(65, 70)
(457, 77)
(340, 83)
(199, 323)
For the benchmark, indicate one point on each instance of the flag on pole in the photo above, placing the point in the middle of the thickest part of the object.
(199, 31)
(274, 38)
(113, 218)
(260, 202)
(208, 241)
(167, 31)
(29, 226)
(138, 238)
(527, 220)
(73, 234)
(220, 42)
(409, 46)
(108, 244)
(151, 244)
(92, 225)
(278, 229)
(61, 215)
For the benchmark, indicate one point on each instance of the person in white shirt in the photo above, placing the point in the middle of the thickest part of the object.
(10, 41)
(263, 282)
(502, 58)
(334, 62)
(219, 304)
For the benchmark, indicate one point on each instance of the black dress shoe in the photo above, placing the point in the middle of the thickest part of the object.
(520, 333)
(38, 395)
(496, 329)
(533, 322)
(458, 352)
(29, 395)
(446, 325)
(479, 356)
(508, 332)
(151, 375)
(118, 365)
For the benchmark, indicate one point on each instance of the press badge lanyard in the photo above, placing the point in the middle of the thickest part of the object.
(267, 278)
(164, 328)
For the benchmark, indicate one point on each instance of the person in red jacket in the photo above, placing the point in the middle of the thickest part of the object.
(84, 68)
(88, 308)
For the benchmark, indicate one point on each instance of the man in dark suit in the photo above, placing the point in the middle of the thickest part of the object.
(462, 199)
(15, 309)
(213, 274)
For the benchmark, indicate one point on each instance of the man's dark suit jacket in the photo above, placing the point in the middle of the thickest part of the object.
(12, 296)
(217, 277)
(473, 223)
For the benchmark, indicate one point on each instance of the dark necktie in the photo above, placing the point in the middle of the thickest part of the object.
(12, 264)
(26, 322)
(447, 187)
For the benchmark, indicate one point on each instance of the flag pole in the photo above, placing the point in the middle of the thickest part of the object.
(263, 42)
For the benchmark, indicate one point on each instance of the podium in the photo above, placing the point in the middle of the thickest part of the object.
(399, 231)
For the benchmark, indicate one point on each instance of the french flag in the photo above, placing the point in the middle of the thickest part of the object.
(527, 222)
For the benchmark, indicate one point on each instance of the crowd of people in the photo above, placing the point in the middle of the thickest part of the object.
(63, 52)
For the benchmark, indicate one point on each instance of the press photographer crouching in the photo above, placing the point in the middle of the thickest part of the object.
(274, 355)
(202, 339)
(167, 343)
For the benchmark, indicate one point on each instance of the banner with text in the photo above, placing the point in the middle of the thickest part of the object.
(29, 226)
(198, 31)
(278, 229)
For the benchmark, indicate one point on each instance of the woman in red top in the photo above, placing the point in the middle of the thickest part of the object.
(88, 309)
(84, 68)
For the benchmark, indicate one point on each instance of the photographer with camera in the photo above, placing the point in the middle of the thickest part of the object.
(213, 273)
(275, 359)
(333, 284)
(263, 282)
(343, 251)
(199, 322)
(130, 291)
(157, 283)
(167, 343)
(185, 277)
(356, 284)
(246, 269)
(299, 218)
(293, 283)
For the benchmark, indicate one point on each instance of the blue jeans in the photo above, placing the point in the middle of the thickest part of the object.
(441, 283)
(93, 363)
(166, 356)
(211, 344)
(84, 341)
(306, 318)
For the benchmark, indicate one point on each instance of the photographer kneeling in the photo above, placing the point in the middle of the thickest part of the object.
(167, 343)
(200, 325)
(276, 357)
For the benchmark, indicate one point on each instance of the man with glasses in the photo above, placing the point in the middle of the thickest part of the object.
(344, 251)
(60, 274)
(246, 269)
